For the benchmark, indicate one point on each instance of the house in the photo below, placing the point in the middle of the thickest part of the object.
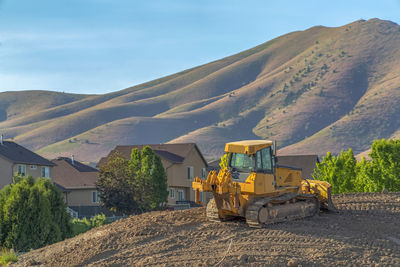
(16, 159)
(77, 183)
(182, 162)
(307, 163)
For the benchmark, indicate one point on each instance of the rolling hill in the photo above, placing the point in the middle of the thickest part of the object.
(315, 90)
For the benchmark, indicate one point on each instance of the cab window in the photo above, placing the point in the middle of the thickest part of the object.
(241, 162)
(266, 159)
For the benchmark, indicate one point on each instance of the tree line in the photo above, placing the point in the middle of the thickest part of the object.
(347, 175)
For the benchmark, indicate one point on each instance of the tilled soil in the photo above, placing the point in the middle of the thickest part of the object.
(366, 231)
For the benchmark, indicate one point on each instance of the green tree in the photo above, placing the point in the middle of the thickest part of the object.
(151, 178)
(339, 171)
(116, 185)
(32, 214)
(385, 163)
(365, 181)
(139, 184)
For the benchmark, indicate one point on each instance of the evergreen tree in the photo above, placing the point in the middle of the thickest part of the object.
(28, 214)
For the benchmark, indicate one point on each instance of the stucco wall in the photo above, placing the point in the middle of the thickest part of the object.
(178, 175)
(35, 173)
(80, 197)
(6, 172)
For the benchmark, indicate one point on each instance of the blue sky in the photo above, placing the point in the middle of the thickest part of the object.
(100, 46)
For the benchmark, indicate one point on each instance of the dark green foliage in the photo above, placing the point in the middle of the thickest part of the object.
(32, 214)
(116, 185)
(133, 186)
(347, 175)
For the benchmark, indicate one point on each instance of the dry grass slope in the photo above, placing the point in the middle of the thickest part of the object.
(313, 91)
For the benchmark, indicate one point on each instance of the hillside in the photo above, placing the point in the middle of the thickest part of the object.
(315, 90)
(365, 232)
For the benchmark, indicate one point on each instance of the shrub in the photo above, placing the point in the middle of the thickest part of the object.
(7, 255)
(80, 226)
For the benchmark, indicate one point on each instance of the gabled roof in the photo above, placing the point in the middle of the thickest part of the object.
(174, 153)
(73, 176)
(19, 154)
(169, 156)
(77, 165)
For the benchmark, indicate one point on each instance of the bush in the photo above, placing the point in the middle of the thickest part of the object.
(7, 255)
(80, 226)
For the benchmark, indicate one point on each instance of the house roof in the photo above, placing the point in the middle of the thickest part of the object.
(19, 154)
(174, 153)
(306, 162)
(73, 176)
(78, 165)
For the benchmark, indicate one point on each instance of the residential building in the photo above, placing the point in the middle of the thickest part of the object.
(16, 159)
(182, 163)
(77, 183)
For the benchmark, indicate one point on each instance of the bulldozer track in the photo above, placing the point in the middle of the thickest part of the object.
(255, 208)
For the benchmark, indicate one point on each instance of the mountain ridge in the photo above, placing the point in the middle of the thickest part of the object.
(315, 90)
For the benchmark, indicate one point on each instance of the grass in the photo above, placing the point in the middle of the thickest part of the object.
(7, 255)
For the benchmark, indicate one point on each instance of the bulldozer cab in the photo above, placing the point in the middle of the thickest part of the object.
(246, 157)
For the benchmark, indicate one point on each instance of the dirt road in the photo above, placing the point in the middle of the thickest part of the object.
(366, 231)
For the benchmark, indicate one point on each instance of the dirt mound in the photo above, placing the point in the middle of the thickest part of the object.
(366, 231)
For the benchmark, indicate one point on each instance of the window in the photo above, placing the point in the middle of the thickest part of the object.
(203, 173)
(266, 159)
(95, 197)
(242, 162)
(172, 193)
(22, 170)
(201, 196)
(46, 172)
(259, 164)
(190, 172)
(33, 167)
(181, 195)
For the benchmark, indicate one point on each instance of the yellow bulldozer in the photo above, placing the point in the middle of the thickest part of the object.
(253, 186)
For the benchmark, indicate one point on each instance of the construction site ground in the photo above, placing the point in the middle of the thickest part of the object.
(365, 231)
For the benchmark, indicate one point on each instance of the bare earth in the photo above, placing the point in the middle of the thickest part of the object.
(366, 231)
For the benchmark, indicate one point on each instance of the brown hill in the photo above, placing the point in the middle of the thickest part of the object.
(315, 90)
(365, 232)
